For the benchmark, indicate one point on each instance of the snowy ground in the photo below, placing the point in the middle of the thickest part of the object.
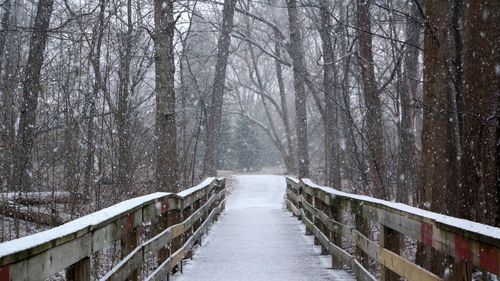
(256, 239)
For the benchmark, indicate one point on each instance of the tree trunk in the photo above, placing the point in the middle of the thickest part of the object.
(31, 89)
(458, 71)
(408, 171)
(217, 99)
(125, 174)
(290, 161)
(297, 55)
(439, 153)
(71, 136)
(374, 121)
(166, 133)
(9, 82)
(331, 124)
(6, 25)
(480, 157)
(90, 101)
(478, 166)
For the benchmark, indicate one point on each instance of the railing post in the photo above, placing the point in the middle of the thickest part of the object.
(129, 242)
(461, 271)
(315, 203)
(361, 225)
(189, 232)
(175, 217)
(163, 253)
(299, 200)
(335, 236)
(79, 271)
(390, 240)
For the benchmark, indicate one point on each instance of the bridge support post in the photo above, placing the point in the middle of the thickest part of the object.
(461, 271)
(128, 243)
(79, 271)
(317, 205)
(390, 240)
(362, 227)
(335, 236)
(175, 217)
(192, 209)
(309, 199)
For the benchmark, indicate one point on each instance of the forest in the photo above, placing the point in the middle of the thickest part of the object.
(105, 100)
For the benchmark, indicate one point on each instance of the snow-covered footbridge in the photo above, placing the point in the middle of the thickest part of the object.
(257, 239)
(348, 237)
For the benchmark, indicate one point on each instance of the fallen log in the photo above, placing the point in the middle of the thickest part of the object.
(43, 197)
(38, 217)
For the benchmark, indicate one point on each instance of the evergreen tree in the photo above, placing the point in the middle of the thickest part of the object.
(247, 146)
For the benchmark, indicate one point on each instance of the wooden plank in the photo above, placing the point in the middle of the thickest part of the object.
(308, 207)
(392, 261)
(331, 248)
(292, 207)
(32, 251)
(362, 274)
(43, 265)
(367, 246)
(404, 268)
(401, 223)
(126, 267)
(333, 225)
(308, 190)
(292, 195)
(323, 197)
(158, 242)
(161, 273)
(107, 234)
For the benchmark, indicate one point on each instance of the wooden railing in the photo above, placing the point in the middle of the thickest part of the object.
(179, 219)
(332, 216)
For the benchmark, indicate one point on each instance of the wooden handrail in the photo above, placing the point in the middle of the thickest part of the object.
(320, 208)
(185, 215)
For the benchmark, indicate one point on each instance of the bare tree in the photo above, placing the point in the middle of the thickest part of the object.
(374, 121)
(9, 67)
(299, 71)
(439, 151)
(166, 132)
(125, 173)
(31, 89)
(217, 98)
(408, 168)
(479, 173)
(331, 124)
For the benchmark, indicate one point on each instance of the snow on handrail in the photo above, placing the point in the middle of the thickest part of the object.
(466, 241)
(466, 225)
(24, 247)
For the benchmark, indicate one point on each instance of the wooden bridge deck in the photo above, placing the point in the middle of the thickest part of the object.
(257, 239)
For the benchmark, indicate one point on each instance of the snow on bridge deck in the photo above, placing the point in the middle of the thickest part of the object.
(256, 239)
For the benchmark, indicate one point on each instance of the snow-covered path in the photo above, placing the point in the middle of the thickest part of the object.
(256, 239)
